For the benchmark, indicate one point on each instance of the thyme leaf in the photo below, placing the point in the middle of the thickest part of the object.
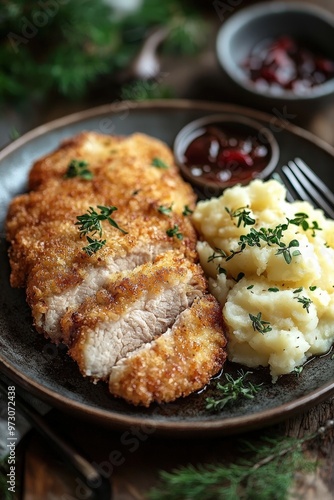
(239, 277)
(259, 324)
(243, 216)
(217, 254)
(232, 390)
(174, 231)
(165, 210)
(221, 270)
(305, 301)
(297, 370)
(286, 251)
(93, 246)
(78, 168)
(158, 163)
(91, 221)
(187, 211)
(301, 220)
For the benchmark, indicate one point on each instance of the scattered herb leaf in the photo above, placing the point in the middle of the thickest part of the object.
(259, 324)
(250, 287)
(286, 251)
(78, 168)
(305, 301)
(312, 288)
(165, 210)
(14, 134)
(187, 210)
(217, 254)
(301, 220)
(158, 163)
(174, 231)
(221, 270)
(297, 370)
(273, 289)
(243, 216)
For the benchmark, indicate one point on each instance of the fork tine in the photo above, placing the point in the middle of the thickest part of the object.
(315, 179)
(297, 186)
(308, 186)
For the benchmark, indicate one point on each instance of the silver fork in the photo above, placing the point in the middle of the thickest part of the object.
(307, 186)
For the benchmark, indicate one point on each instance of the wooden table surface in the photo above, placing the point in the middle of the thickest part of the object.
(45, 478)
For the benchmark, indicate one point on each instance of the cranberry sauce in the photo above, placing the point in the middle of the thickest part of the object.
(285, 64)
(225, 154)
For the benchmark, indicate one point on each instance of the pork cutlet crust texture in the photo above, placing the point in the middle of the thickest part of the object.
(125, 289)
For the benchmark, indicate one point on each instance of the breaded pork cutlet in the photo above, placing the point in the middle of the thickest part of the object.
(108, 302)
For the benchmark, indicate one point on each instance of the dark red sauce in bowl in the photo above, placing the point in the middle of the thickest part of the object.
(223, 150)
(284, 63)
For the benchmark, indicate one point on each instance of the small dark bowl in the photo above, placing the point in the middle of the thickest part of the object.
(309, 25)
(239, 126)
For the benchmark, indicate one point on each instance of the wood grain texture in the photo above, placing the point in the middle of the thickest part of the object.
(319, 484)
(132, 459)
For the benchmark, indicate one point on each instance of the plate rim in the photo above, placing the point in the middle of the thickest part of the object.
(179, 428)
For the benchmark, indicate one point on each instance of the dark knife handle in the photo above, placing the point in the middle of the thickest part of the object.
(99, 486)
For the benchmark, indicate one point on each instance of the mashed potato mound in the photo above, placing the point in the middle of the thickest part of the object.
(277, 291)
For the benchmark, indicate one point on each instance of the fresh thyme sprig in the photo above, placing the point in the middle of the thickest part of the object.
(243, 216)
(301, 220)
(78, 168)
(232, 390)
(270, 236)
(90, 223)
(305, 301)
(217, 254)
(259, 324)
(175, 231)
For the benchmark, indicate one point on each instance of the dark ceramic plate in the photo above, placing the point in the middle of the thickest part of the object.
(47, 372)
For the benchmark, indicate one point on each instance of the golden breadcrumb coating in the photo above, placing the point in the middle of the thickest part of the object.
(140, 284)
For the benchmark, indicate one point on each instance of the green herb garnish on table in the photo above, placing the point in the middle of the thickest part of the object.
(266, 470)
